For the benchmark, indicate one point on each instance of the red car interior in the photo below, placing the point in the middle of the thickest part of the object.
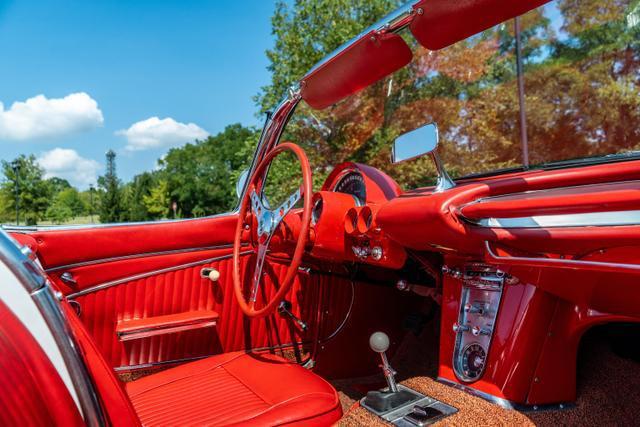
(173, 333)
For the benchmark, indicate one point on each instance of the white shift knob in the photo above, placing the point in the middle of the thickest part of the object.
(379, 342)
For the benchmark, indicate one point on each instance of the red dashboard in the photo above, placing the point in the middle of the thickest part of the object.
(562, 244)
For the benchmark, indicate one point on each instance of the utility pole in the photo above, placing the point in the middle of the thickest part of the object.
(15, 165)
(523, 112)
(91, 190)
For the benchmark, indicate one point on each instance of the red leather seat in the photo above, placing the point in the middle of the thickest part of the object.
(235, 389)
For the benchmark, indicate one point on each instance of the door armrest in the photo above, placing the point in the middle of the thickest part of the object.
(132, 329)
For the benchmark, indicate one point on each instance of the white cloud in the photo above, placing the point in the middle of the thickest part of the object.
(154, 133)
(40, 117)
(68, 164)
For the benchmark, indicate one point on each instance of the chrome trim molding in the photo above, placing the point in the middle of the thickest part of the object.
(44, 228)
(139, 255)
(591, 219)
(139, 276)
(472, 391)
(507, 404)
(32, 277)
(573, 264)
(128, 368)
(163, 330)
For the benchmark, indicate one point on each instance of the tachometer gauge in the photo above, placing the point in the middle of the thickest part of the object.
(353, 183)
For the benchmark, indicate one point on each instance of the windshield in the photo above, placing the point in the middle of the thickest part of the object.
(580, 87)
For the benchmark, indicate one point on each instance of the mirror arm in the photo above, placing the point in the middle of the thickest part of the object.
(444, 180)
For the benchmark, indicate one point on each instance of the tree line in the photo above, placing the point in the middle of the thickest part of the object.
(198, 179)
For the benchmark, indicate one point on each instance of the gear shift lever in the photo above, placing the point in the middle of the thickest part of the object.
(379, 342)
(394, 397)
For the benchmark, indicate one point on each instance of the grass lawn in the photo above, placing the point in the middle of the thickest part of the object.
(79, 220)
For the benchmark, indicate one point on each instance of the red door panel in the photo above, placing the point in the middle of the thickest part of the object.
(70, 246)
(184, 290)
(125, 272)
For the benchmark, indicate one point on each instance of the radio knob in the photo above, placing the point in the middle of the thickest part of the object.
(474, 309)
(476, 331)
(460, 328)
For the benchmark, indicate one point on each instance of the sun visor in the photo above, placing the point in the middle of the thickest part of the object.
(441, 23)
(361, 64)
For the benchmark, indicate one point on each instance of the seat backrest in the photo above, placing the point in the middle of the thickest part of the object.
(32, 392)
(114, 399)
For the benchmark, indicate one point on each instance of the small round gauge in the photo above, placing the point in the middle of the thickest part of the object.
(316, 211)
(472, 361)
(353, 183)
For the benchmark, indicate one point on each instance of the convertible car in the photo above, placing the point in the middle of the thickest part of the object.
(500, 297)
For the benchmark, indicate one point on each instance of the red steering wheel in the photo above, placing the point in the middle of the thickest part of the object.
(267, 222)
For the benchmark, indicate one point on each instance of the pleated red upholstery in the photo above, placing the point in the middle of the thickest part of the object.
(184, 290)
(235, 389)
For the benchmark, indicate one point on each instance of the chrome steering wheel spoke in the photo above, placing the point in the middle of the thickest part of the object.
(285, 207)
(268, 221)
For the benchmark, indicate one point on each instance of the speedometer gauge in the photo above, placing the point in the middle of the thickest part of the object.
(353, 183)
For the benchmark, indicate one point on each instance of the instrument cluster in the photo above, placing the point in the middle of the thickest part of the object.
(343, 218)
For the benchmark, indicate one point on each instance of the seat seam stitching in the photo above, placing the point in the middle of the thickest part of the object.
(219, 365)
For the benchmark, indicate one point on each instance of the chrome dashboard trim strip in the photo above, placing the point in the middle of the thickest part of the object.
(139, 276)
(140, 255)
(591, 219)
(573, 264)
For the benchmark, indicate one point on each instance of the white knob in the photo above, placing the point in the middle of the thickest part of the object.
(379, 342)
(214, 275)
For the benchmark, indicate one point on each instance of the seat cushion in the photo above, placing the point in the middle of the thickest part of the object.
(235, 388)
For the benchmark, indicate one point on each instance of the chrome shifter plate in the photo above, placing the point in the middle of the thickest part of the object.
(397, 416)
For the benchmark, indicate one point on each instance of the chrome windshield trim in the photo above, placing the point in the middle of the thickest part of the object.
(591, 219)
(139, 276)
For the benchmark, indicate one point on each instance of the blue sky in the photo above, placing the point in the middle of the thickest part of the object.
(134, 76)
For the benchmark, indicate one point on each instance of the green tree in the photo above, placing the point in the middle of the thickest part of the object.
(70, 197)
(306, 32)
(33, 195)
(200, 177)
(56, 185)
(59, 212)
(134, 194)
(157, 202)
(110, 190)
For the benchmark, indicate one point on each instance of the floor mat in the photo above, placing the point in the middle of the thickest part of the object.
(608, 389)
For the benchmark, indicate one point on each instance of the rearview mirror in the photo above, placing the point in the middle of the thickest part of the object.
(415, 144)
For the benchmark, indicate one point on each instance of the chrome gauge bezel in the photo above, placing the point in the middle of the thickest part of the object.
(316, 211)
(463, 359)
(485, 280)
(342, 179)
